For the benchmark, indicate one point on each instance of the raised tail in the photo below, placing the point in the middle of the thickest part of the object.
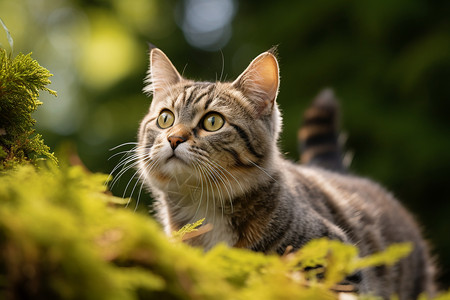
(318, 137)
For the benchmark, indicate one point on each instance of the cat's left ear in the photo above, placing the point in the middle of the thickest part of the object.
(161, 74)
(260, 82)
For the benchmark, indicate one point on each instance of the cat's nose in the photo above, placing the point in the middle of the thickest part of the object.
(175, 140)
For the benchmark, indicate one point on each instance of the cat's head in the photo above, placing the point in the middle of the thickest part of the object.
(213, 132)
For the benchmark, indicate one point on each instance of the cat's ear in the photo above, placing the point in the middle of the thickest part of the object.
(260, 82)
(161, 73)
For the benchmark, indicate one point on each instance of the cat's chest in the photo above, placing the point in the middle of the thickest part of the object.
(189, 201)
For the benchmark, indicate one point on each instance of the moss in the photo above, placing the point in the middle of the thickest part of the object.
(62, 238)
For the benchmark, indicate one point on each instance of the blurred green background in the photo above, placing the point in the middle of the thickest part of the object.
(388, 61)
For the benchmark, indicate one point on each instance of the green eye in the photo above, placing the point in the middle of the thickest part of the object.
(165, 119)
(213, 122)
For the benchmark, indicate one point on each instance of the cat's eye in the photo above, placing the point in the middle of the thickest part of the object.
(165, 119)
(213, 122)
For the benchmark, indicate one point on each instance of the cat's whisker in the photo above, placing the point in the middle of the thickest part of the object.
(223, 65)
(204, 158)
(233, 177)
(221, 169)
(146, 169)
(203, 186)
(213, 173)
(125, 152)
(129, 181)
(133, 153)
(125, 165)
(208, 185)
(197, 169)
(139, 195)
(129, 165)
(125, 160)
(122, 145)
(137, 181)
(213, 176)
(209, 195)
(220, 177)
(261, 168)
(120, 153)
(221, 174)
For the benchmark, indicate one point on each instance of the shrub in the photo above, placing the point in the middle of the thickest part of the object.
(21, 79)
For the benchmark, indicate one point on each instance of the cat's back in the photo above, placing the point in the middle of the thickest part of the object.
(357, 199)
(370, 217)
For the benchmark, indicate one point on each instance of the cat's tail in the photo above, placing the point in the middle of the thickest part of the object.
(318, 137)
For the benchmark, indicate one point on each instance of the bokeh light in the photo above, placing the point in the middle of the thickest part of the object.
(206, 24)
(107, 54)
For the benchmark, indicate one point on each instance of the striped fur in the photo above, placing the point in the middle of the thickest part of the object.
(319, 134)
(248, 193)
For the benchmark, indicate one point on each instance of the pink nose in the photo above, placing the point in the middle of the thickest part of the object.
(176, 140)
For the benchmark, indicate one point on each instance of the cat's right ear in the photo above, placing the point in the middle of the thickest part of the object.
(161, 73)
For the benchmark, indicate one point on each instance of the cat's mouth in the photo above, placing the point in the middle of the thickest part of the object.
(176, 158)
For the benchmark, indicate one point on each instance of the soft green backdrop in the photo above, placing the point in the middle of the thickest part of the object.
(388, 61)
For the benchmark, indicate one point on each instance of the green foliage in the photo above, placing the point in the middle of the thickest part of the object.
(21, 79)
(187, 229)
(340, 259)
(62, 238)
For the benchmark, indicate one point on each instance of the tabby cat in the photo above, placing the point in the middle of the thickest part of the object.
(209, 150)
